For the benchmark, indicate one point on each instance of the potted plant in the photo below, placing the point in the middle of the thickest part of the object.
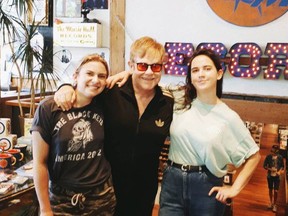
(8, 28)
(37, 65)
(26, 57)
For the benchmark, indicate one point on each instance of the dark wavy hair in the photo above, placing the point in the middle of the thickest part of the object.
(190, 91)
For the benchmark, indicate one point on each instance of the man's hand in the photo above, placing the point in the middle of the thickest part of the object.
(65, 97)
(121, 77)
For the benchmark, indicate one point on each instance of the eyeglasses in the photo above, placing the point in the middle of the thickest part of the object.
(154, 67)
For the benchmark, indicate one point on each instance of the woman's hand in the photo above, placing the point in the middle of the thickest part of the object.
(224, 194)
(227, 192)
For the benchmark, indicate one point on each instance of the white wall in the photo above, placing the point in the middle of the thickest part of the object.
(193, 21)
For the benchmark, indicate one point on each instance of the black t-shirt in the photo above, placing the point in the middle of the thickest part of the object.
(75, 139)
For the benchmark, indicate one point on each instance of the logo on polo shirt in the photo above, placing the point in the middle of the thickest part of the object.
(159, 123)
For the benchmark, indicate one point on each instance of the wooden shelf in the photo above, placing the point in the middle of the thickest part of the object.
(25, 102)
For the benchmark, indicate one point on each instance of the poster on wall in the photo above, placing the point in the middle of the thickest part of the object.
(66, 60)
(77, 34)
(95, 4)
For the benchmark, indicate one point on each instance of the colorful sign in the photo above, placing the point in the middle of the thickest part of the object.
(249, 12)
(244, 60)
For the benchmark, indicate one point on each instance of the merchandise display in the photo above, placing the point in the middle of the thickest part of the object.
(16, 171)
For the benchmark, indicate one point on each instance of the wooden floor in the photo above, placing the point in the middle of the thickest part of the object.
(254, 198)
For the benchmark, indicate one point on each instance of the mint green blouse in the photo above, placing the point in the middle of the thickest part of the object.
(211, 135)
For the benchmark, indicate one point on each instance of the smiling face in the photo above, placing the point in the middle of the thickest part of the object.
(91, 79)
(145, 80)
(204, 75)
(148, 51)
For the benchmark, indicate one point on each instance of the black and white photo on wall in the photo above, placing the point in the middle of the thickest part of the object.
(95, 4)
(69, 9)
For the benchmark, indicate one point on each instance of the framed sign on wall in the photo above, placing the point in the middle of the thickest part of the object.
(77, 34)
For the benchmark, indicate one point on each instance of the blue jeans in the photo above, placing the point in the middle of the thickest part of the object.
(186, 194)
(273, 182)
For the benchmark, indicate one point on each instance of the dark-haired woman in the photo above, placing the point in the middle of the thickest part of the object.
(206, 136)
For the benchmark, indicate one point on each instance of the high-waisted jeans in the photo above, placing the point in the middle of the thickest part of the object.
(186, 194)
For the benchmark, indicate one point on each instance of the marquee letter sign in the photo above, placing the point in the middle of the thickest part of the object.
(178, 53)
(250, 50)
(277, 60)
(216, 47)
(245, 60)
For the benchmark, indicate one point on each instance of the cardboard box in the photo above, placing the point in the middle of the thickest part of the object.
(27, 125)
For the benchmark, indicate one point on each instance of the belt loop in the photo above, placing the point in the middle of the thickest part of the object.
(200, 169)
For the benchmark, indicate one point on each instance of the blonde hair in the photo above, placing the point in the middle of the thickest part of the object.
(147, 46)
(92, 58)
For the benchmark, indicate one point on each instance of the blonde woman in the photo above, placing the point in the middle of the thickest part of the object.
(71, 174)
